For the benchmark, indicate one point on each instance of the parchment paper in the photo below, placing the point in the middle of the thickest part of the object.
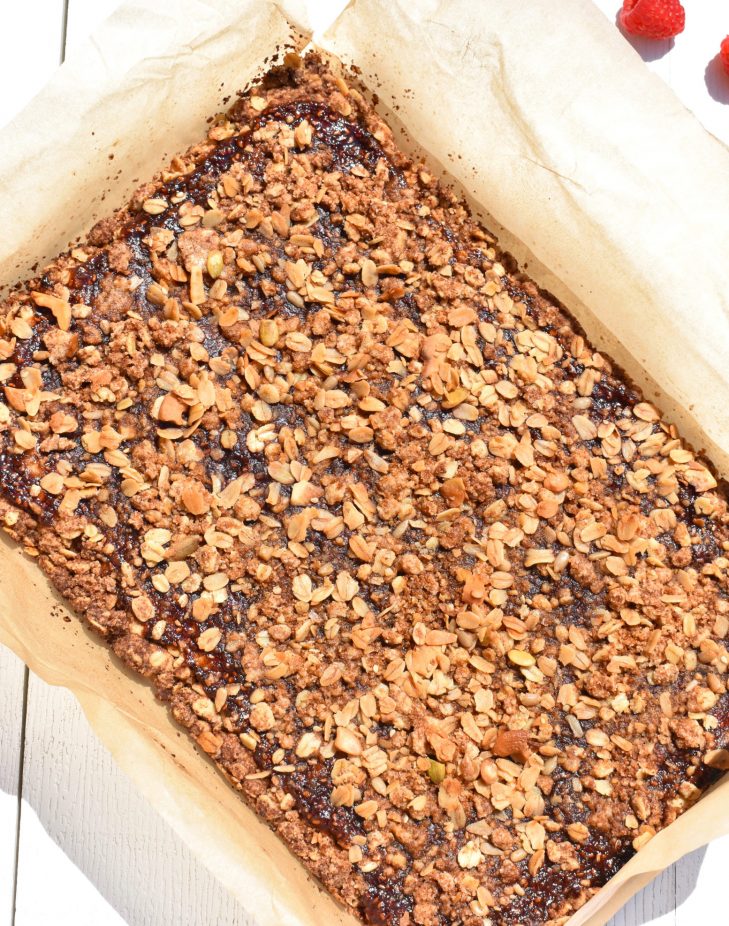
(560, 135)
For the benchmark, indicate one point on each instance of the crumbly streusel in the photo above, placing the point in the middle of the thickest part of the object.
(435, 588)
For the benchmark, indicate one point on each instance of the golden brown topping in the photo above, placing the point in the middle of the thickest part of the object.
(512, 744)
(59, 307)
(400, 548)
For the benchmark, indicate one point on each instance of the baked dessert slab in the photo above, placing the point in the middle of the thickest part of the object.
(438, 591)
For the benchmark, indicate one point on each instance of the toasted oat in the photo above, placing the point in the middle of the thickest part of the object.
(431, 583)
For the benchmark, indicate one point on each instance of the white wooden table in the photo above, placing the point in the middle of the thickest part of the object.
(78, 844)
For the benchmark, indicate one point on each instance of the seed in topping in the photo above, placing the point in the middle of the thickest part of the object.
(161, 583)
(215, 264)
(454, 398)
(436, 771)
(361, 435)
(268, 333)
(521, 658)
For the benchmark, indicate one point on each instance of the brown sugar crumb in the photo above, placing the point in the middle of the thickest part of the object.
(431, 583)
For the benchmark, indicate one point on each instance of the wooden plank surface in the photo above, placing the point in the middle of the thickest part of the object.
(13, 676)
(106, 858)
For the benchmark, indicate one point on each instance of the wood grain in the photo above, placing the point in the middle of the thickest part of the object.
(12, 685)
(111, 858)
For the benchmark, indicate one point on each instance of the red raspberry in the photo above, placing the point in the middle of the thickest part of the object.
(653, 19)
(724, 53)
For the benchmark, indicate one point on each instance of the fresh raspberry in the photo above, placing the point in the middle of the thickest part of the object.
(724, 53)
(653, 19)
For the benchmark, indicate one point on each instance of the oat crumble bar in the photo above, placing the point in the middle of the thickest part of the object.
(430, 582)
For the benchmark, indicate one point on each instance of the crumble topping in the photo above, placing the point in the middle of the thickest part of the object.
(432, 584)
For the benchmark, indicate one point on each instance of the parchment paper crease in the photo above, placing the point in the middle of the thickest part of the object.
(560, 136)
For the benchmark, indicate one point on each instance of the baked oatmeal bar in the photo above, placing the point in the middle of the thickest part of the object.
(438, 591)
